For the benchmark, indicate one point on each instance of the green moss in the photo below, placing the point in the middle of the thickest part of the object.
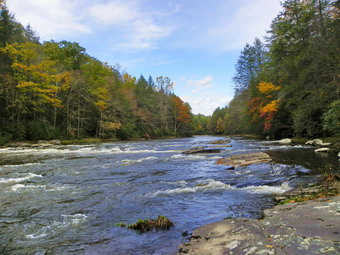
(87, 140)
(147, 225)
(121, 225)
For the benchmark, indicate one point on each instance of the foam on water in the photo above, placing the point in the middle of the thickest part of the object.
(71, 149)
(58, 226)
(128, 162)
(19, 179)
(20, 165)
(267, 189)
(207, 185)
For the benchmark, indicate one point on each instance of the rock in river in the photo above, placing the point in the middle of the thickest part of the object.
(203, 150)
(324, 150)
(300, 228)
(285, 141)
(245, 159)
(222, 141)
(317, 142)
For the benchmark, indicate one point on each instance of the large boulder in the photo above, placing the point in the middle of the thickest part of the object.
(285, 141)
(317, 142)
(245, 159)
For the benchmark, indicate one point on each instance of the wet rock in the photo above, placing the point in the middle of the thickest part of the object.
(161, 223)
(202, 150)
(285, 141)
(317, 142)
(245, 159)
(222, 141)
(45, 143)
(186, 233)
(50, 142)
(336, 145)
(19, 144)
(55, 142)
(323, 150)
(300, 228)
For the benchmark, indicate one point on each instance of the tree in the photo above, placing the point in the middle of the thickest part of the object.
(181, 114)
(249, 64)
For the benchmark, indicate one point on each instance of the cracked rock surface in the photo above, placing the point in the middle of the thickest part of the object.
(311, 227)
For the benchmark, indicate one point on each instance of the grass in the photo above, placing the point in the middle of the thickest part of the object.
(329, 186)
(86, 140)
(147, 225)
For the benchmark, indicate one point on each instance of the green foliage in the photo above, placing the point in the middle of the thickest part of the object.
(5, 138)
(331, 119)
(56, 89)
(302, 58)
(38, 130)
(161, 223)
(121, 225)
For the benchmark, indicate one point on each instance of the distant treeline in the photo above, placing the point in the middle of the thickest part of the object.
(56, 90)
(289, 85)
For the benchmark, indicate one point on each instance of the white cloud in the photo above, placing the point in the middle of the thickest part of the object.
(128, 23)
(53, 18)
(251, 19)
(144, 33)
(112, 13)
(207, 103)
(204, 83)
(229, 25)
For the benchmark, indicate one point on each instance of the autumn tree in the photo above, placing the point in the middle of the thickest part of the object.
(181, 114)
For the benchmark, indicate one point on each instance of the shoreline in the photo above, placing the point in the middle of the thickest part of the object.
(90, 140)
(310, 226)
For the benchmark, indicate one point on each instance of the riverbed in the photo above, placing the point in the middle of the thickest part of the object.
(68, 199)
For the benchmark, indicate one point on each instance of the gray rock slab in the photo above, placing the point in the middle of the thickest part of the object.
(311, 227)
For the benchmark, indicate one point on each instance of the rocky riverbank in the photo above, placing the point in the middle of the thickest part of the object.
(308, 227)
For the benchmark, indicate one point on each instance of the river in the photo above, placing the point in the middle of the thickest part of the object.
(68, 199)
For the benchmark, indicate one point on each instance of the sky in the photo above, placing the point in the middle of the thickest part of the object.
(196, 43)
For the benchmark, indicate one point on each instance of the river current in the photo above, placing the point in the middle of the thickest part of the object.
(68, 199)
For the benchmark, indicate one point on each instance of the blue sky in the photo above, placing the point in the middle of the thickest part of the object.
(195, 43)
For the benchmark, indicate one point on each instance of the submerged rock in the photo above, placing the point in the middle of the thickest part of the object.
(142, 226)
(245, 159)
(300, 228)
(203, 150)
(222, 141)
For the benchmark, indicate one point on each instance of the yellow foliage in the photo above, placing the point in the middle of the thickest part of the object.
(107, 125)
(267, 87)
(101, 105)
(271, 107)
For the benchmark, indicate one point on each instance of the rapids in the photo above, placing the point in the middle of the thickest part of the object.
(68, 199)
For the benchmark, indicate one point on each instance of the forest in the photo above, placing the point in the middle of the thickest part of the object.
(56, 90)
(286, 85)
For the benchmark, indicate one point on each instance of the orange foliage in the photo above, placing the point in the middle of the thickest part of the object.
(181, 111)
(262, 107)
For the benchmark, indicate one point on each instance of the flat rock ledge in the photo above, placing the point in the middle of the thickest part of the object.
(245, 159)
(309, 228)
(197, 150)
